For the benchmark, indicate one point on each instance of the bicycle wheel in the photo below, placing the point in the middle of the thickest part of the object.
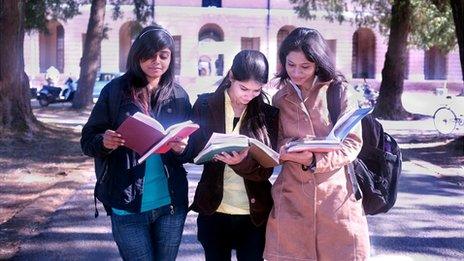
(445, 120)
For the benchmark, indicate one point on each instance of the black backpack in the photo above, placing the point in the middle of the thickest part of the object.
(375, 172)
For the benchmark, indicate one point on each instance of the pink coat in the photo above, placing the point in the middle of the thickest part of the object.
(315, 214)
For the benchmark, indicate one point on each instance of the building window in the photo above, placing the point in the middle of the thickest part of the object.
(127, 34)
(250, 43)
(51, 47)
(177, 57)
(281, 35)
(434, 64)
(211, 32)
(363, 59)
(333, 49)
(207, 3)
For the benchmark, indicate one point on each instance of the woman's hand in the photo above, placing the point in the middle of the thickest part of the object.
(303, 157)
(112, 140)
(178, 145)
(232, 158)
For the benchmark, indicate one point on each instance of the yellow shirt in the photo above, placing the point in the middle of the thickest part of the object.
(234, 198)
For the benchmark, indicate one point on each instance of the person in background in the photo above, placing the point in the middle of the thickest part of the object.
(148, 201)
(315, 214)
(233, 197)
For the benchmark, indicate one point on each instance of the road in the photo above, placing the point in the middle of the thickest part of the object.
(427, 223)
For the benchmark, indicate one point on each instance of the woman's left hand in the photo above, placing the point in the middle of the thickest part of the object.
(232, 158)
(303, 157)
(178, 145)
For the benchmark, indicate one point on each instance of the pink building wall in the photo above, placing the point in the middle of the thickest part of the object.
(236, 19)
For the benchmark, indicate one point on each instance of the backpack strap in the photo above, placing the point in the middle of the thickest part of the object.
(354, 182)
(334, 105)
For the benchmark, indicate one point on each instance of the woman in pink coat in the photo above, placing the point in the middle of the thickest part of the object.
(315, 214)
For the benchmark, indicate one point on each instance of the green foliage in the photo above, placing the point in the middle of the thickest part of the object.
(431, 20)
(143, 10)
(39, 12)
(432, 27)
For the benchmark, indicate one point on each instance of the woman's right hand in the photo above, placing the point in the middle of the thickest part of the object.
(112, 140)
(302, 157)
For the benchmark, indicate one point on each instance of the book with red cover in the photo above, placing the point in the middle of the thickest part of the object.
(146, 135)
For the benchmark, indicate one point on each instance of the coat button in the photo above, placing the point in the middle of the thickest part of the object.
(169, 110)
(253, 200)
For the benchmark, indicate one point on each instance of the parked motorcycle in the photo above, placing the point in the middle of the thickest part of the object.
(54, 94)
(369, 95)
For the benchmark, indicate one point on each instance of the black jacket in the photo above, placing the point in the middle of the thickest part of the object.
(209, 112)
(119, 178)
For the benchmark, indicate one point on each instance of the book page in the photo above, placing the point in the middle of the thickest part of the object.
(347, 122)
(149, 121)
(181, 131)
(178, 125)
(265, 155)
(209, 152)
(221, 138)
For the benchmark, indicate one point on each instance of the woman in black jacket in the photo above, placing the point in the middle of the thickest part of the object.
(147, 201)
(233, 197)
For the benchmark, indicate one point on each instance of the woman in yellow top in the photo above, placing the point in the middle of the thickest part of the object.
(233, 197)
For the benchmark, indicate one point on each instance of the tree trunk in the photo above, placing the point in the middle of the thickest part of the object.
(91, 55)
(458, 16)
(15, 107)
(389, 105)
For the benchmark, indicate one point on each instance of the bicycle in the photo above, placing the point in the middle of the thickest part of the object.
(446, 120)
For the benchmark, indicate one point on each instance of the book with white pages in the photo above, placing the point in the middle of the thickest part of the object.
(334, 140)
(219, 143)
(145, 135)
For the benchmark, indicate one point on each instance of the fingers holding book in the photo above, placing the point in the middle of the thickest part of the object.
(303, 157)
(112, 140)
(178, 144)
(233, 157)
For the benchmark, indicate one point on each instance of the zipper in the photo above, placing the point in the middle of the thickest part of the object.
(105, 171)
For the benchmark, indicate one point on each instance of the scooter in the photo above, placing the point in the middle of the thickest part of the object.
(54, 94)
(369, 95)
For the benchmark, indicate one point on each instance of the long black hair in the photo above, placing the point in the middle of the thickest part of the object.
(251, 65)
(316, 50)
(150, 40)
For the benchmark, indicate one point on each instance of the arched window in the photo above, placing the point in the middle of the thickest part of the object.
(434, 64)
(283, 32)
(211, 32)
(363, 62)
(127, 34)
(51, 47)
(208, 64)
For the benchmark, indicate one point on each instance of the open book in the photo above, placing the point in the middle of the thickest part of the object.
(336, 136)
(146, 136)
(219, 142)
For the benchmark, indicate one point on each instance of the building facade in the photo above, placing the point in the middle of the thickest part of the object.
(208, 33)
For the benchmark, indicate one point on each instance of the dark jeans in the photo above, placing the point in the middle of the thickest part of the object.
(151, 235)
(220, 233)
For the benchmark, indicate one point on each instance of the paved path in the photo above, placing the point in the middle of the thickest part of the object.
(427, 223)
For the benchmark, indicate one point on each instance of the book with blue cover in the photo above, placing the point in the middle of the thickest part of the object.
(336, 136)
(220, 142)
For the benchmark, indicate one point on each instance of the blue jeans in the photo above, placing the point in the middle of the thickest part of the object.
(150, 235)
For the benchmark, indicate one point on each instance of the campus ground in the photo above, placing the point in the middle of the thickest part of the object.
(38, 176)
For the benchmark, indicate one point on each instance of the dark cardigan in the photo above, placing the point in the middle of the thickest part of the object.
(209, 112)
(119, 178)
